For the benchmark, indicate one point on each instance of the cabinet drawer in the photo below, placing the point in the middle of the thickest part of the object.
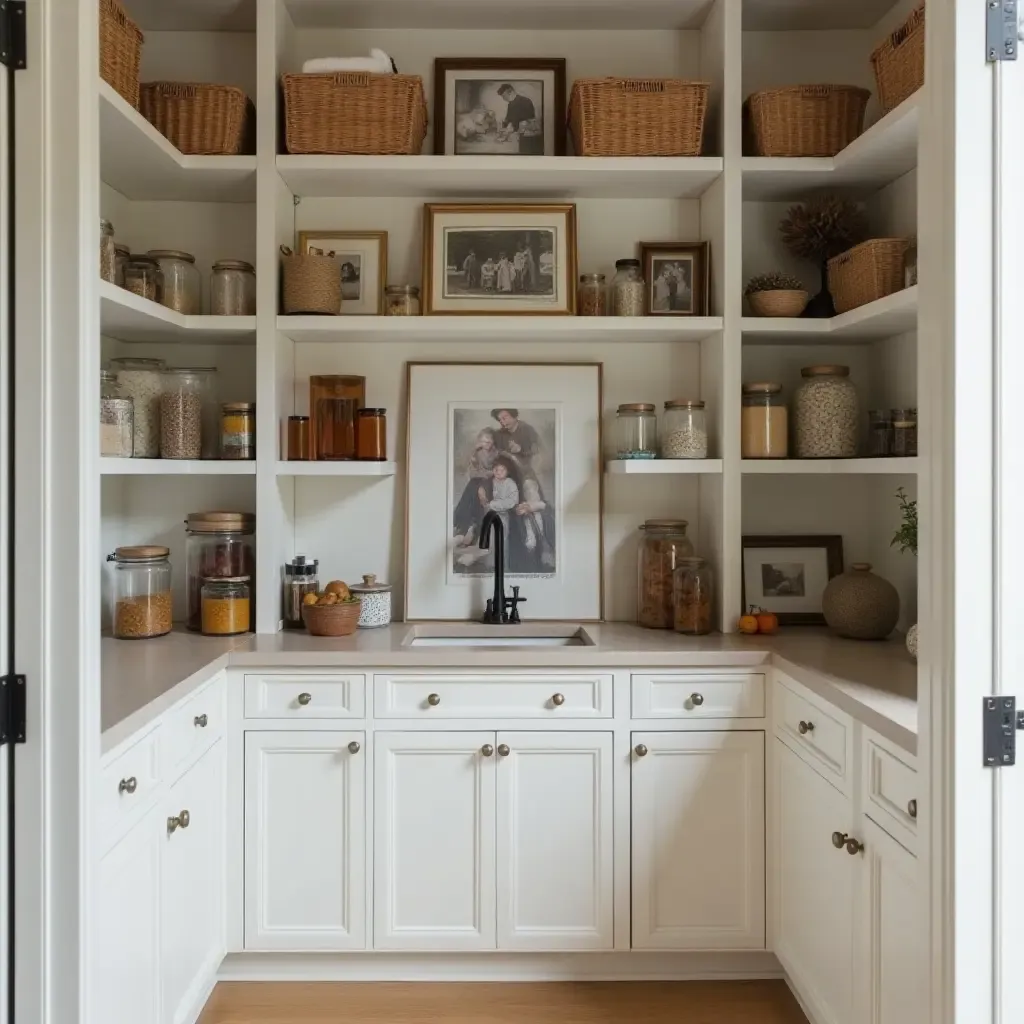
(890, 790)
(698, 695)
(815, 730)
(126, 785)
(526, 696)
(305, 696)
(193, 726)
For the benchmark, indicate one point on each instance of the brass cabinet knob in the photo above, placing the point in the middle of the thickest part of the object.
(434, 699)
(839, 840)
(640, 750)
(805, 727)
(128, 785)
(353, 747)
(305, 698)
(558, 699)
(912, 808)
(201, 721)
(503, 749)
(182, 820)
(487, 750)
(853, 846)
(696, 699)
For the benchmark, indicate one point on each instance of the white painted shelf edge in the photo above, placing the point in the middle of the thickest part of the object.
(849, 467)
(372, 469)
(176, 467)
(669, 467)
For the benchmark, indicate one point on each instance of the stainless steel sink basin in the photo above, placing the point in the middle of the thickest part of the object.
(472, 634)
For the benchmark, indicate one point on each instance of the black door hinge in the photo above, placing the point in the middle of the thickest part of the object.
(13, 46)
(12, 709)
(1000, 30)
(1000, 722)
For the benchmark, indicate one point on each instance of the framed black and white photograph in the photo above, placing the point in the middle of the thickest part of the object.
(788, 575)
(677, 278)
(362, 258)
(499, 106)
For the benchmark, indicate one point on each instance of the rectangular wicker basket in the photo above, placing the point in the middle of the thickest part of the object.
(199, 119)
(899, 62)
(354, 113)
(638, 116)
(120, 51)
(866, 272)
(803, 120)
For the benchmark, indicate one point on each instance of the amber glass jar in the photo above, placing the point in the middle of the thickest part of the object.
(371, 435)
(334, 429)
(298, 439)
(329, 387)
(664, 545)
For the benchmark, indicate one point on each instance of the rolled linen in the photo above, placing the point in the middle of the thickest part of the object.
(378, 63)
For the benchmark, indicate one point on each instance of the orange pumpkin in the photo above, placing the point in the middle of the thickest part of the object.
(748, 623)
(767, 622)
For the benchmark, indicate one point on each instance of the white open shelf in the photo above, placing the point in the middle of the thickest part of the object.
(377, 469)
(653, 467)
(176, 467)
(845, 467)
(137, 161)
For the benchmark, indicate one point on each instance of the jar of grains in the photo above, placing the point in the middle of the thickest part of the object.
(693, 597)
(122, 255)
(904, 432)
(636, 431)
(401, 300)
(233, 288)
(300, 579)
(764, 422)
(181, 416)
(825, 414)
(142, 381)
(142, 277)
(180, 290)
(108, 252)
(627, 289)
(206, 388)
(141, 592)
(225, 606)
(218, 545)
(238, 430)
(664, 545)
(592, 296)
(376, 597)
(684, 432)
(117, 415)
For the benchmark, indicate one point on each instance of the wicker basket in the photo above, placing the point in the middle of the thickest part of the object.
(310, 283)
(638, 116)
(866, 272)
(778, 302)
(199, 119)
(804, 120)
(899, 62)
(332, 619)
(354, 113)
(120, 51)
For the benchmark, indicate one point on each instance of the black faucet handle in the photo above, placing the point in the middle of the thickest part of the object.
(512, 604)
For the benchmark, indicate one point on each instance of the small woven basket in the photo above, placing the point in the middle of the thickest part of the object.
(310, 283)
(199, 119)
(354, 113)
(638, 116)
(866, 272)
(803, 120)
(778, 302)
(899, 62)
(332, 619)
(120, 51)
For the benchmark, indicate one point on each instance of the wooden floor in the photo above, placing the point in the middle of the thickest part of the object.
(698, 1002)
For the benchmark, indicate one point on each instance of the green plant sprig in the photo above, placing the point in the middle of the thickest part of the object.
(906, 536)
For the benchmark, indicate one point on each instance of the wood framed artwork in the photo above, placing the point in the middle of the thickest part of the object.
(677, 276)
(514, 258)
(788, 575)
(508, 106)
(523, 440)
(362, 258)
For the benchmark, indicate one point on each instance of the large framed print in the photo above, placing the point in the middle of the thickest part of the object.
(523, 440)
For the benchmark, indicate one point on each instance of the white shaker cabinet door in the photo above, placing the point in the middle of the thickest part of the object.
(698, 840)
(433, 877)
(305, 840)
(555, 879)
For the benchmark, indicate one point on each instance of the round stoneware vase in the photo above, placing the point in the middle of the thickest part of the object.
(860, 605)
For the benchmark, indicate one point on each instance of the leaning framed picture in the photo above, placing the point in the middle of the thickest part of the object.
(509, 106)
(677, 276)
(508, 258)
(362, 258)
(788, 575)
(521, 441)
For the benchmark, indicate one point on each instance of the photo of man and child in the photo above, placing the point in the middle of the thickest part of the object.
(503, 263)
(499, 117)
(672, 286)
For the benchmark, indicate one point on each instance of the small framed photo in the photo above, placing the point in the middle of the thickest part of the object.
(514, 258)
(499, 107)
(788, 575)
(362, 258)
(677, 277)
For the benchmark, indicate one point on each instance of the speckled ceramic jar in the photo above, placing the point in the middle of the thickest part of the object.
(912, 641)
(860, 605)
(376, 598)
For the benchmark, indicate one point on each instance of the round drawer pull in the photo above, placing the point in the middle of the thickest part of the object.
(304, 699)
(353, 747)
(434, 699)
(805, 727)
(201, 721)
(839, 840)
(487, 750)
(558, 699)
(853, 846)
(640, 750)
(912, 808)
(128, 785)
(503, 749)
(696, 699)
(182, 820)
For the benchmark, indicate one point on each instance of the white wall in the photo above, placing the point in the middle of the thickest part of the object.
(226, 58)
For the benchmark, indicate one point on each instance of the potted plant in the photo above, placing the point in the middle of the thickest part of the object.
(776, 294)
(906, 539)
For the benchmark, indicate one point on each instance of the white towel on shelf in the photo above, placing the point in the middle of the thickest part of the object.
(378, 63)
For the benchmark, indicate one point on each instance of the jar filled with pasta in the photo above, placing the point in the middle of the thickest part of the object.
(141, 592)
(663, 547)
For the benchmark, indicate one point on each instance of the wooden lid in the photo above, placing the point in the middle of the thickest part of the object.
(140, 553)
(825, 371)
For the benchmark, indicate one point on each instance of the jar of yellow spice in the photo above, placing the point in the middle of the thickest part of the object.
(238, 430)
(225, 605)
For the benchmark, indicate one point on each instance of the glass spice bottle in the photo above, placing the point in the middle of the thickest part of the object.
(636, 431)
(238, 430)
(401, 300)
(371, 435)
(693, 597)
(108, 252)
(298, 439)
(300, 579)
(117, 418)
(628, 293)
(664, 544)
(592, 296)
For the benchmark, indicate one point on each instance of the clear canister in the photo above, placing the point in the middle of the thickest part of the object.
(592, 296)
(693, 597)
(205, 382)
(879, 433)
(636, 431)
(122, 254)
(663, 546)
(300, 579)
(628, 291)
(218, 545)
(402, 300)
(238, 430)
(764, 422)
(181, 416)
(826, 414)
(140, 592)
(181, 287)
(117, 418)
(142, 277)
(233, 288)
(225, 606)
(904, 433)
(684, 432)
(108, 252)
(142, 381)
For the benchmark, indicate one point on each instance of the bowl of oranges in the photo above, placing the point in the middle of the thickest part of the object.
(332, 612)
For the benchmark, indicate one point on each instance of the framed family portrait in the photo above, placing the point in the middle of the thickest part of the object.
(677, 276)
(788, 575)
(499, 106)
(522, 440)
(516, 258)
(362, 258)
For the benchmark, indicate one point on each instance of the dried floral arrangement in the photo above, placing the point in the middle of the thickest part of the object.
(823, 227)
(775, 281)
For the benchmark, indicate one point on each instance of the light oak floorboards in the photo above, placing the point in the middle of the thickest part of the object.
(693, 1002)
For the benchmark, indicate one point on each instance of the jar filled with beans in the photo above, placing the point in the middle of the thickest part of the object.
(663, 546)
(181, 416)
(180, 290)
(140, 592)
(825, 411)
(141, 380)
(684, 432)
(592, 296)
(225, 606)
(628, 292)
(142, 277)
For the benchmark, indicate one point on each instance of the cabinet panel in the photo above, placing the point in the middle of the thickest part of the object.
(305, 697)
(126, 785)
(698, 695)
(305, 828)
(554, 857)
(434, 808)
(822, 734)
(890, 789)
(698, 840)
(196, 725)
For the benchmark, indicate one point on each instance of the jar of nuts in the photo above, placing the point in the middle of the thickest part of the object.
(693, 597)
(141, 592)
(663, 547)
(825, 411)
(181, 415)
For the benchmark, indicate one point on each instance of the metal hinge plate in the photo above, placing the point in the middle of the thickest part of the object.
(13, 46)
(12, 709)
(1000, 30)
(1000, 722)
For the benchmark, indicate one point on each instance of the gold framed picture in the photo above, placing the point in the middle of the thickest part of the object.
(677, 276)
(362, 258)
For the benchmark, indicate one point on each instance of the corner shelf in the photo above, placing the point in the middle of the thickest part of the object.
(371, 469)
(664, 467)
(176, 467)
(829, 467)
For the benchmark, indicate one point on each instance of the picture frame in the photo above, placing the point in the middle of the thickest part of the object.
(362, 256)
(787, 575)
(472, 106)
(678, 278)
(505, 259)
(523, 439)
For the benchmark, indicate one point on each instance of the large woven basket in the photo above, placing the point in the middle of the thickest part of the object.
(804, 120)
(866, 272)
(310, 283)
(354, 113)
(899, 62)
(198, 118)
(120, 51)
(638, 116)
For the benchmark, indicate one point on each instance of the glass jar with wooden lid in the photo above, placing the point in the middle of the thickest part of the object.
(218, 545)
(140, 592)
(684, 432)
(636, 431)
(826, 414)
(764, 422)
(664, 544)
(238, 430)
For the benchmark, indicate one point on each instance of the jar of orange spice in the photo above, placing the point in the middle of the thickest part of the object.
(225, 606)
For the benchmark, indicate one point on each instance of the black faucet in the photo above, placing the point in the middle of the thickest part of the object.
(500, 609)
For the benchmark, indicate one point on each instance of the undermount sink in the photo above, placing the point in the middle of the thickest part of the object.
(479, 635)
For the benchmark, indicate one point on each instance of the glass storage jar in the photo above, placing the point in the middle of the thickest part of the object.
(206, 388)
(238, 430)
(693, 597)
(879, 433)
(628, 297)
(181, 415)
(375, 610)
(218, 545)
(140, 592)
(121, 256)
(298, 439)
(108, 252)
(372, 435)
(402, 300)
(300, 579)
(225, 606)
(233, 288)
(181, 287)
(330, 387)
(663, 545)
(825, 414)
(910, 265)
(684, 432)
(636, 431)
(142, 277)
(904, 433)
(764, 422)
(117, 415)
(142, 381)
(592, 296)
